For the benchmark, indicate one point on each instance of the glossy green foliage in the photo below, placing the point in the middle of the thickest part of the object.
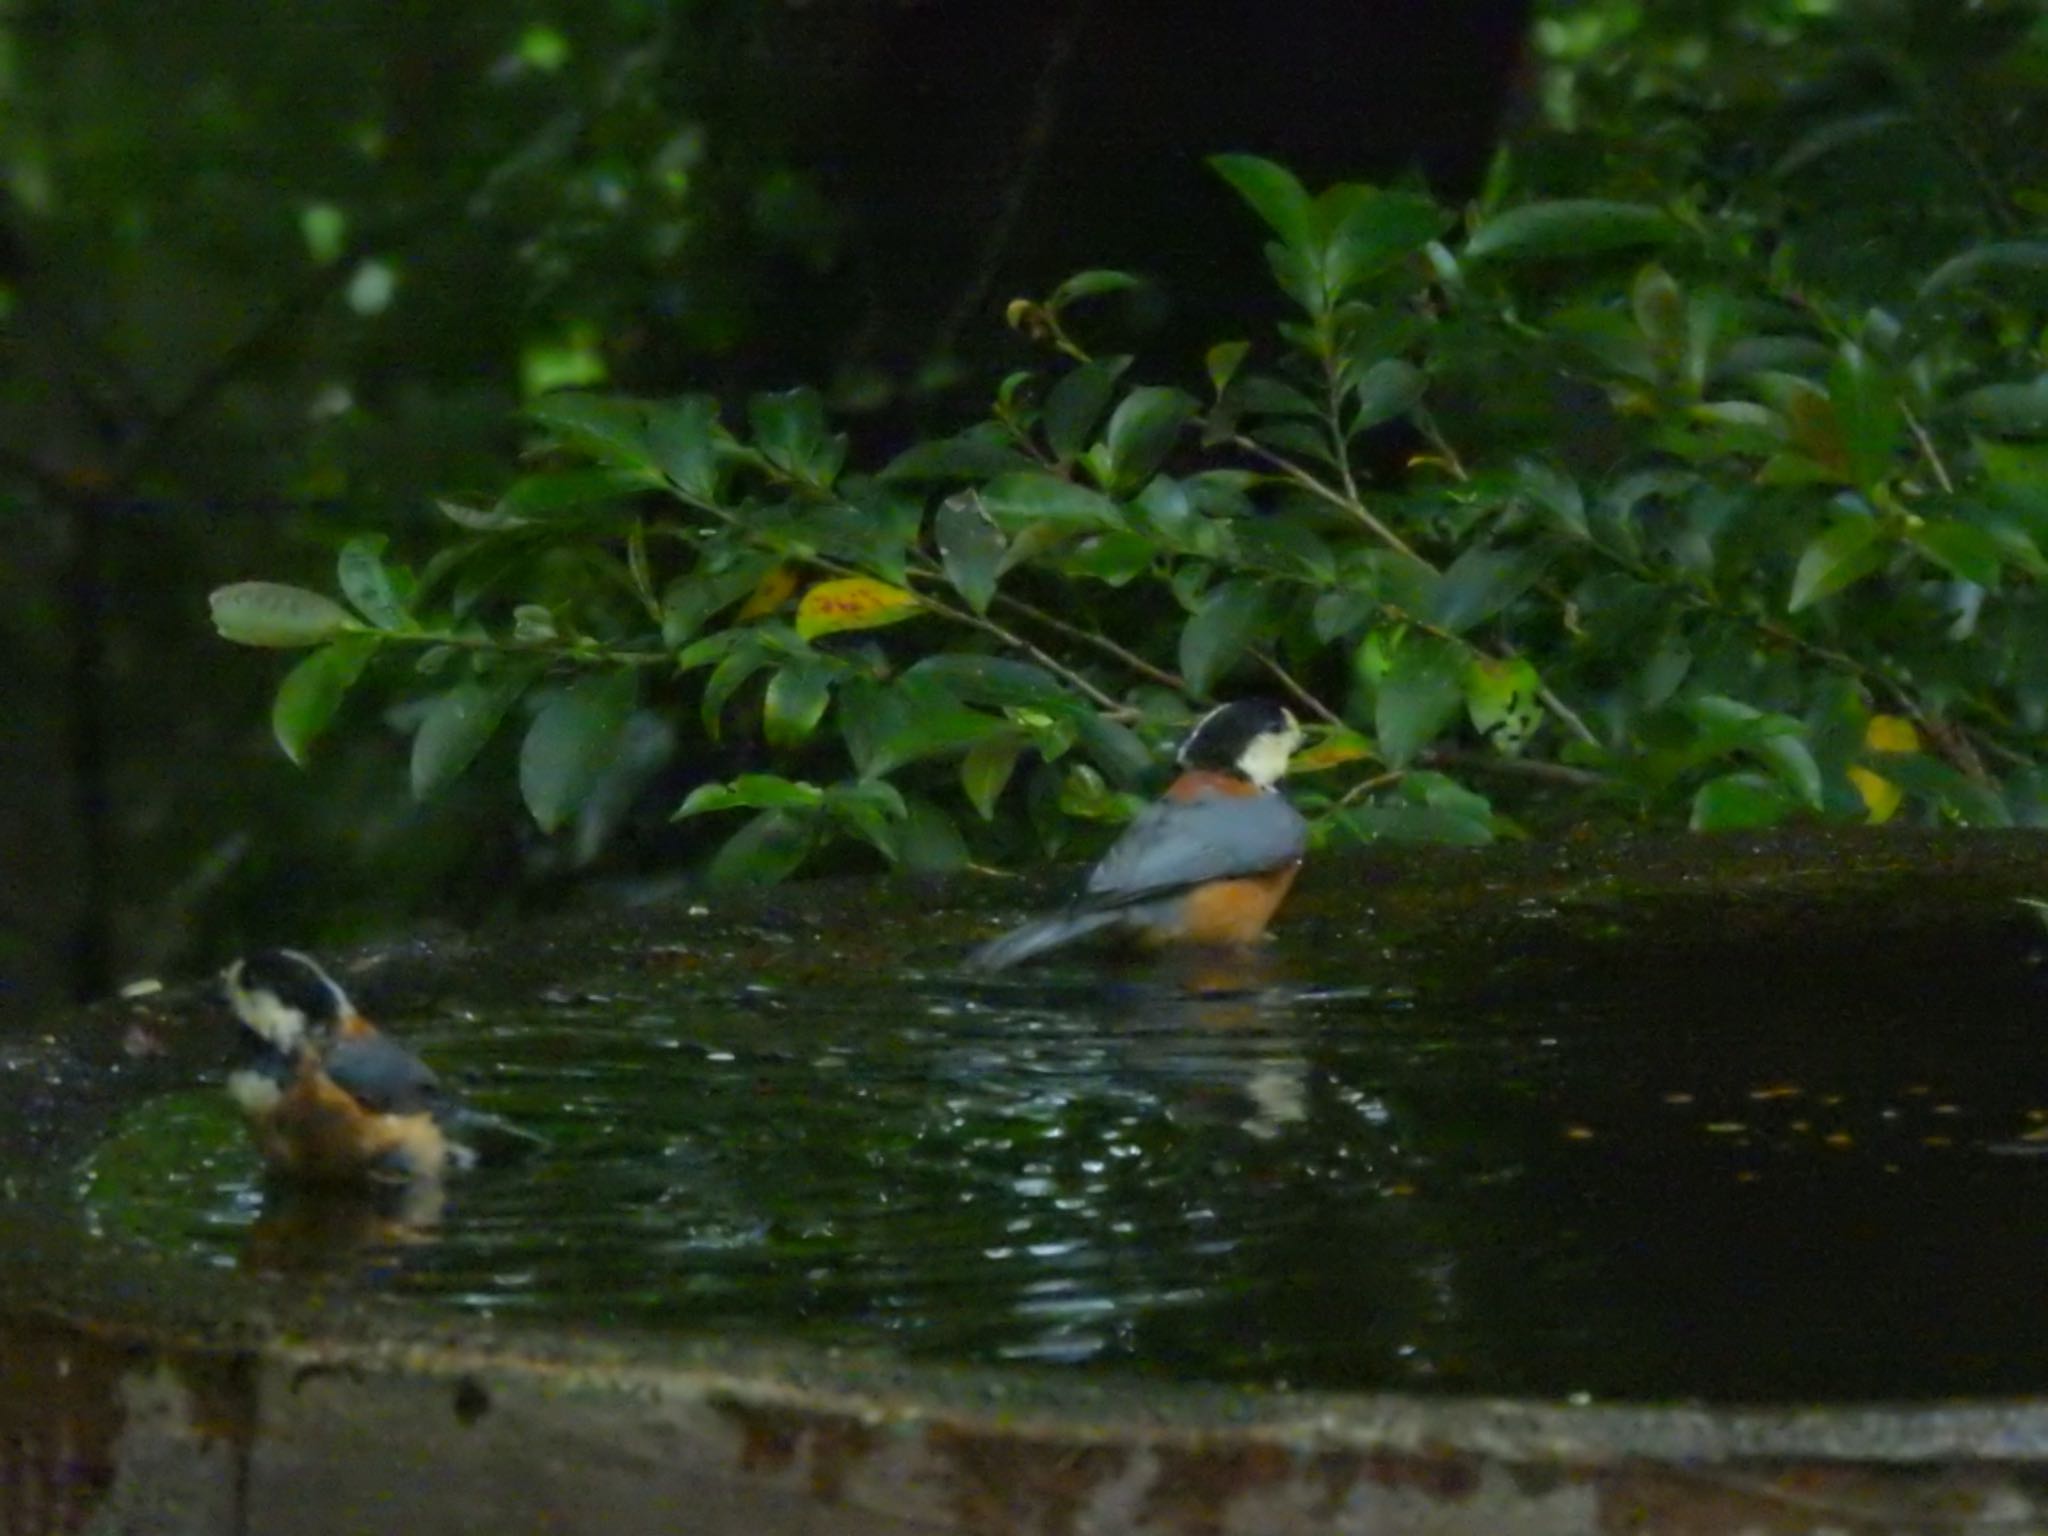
(1618, 493)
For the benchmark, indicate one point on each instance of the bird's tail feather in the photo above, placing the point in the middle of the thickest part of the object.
(1035, 938)
(491, 1138)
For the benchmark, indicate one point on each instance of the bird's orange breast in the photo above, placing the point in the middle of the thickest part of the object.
(318, 1132)
(1233, 911)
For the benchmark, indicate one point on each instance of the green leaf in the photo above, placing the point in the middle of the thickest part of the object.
(458, 725)
(1218, 632)
(927, 841)
(1273, 194)
(1114, 558)
(1659, 310)
(557, 491)
(366, 584)
(791, 433)
(2019, 410)
(1867, 411)
(766, 850)
(1845, 554)
(1418, 692)
(971, 547)
(313, 690)
(571, 742)
(1142, 433)
(267, 613)
(1736, 801)
(1086, 285)
(604, 428)
(726, 679)
(1571, 227)
(1223, 361)
(986, 769)
(795, 702)
(979, 453)
(1076, 404)
(1480, 583)
(1989, 264)
(919, 722)
(478, 520)
(694, 597)
(1389, 388)
(752, 791)
(1970, 552)
(990, 680)
(1556, 493)
(1115, 747)
(1838, 133)
(684, 437)
(1364, 229)
(1038, 497)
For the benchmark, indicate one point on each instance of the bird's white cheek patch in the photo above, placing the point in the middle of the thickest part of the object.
(1265, 760)
(254, 1092)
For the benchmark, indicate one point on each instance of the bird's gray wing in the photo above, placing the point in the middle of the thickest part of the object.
(384, 1077)
(1176, 844)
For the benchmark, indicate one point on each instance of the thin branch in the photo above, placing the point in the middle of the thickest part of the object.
(1015, 641)
(1300, 695)
(1365, 787)
(1351, 508)
(1927, 448)
(1100, 642)
(1517, 767)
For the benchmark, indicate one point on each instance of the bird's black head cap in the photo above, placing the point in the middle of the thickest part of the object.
(284, 996)
(1252, 738)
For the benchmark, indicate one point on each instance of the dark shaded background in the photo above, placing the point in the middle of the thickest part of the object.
(276, 276)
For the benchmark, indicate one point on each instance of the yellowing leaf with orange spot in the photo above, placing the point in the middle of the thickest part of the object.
(770, 593)
(1881, 797)
(853, 602)
(1336, 748)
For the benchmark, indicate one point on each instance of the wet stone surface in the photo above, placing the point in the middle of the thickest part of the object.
(1706, 1119)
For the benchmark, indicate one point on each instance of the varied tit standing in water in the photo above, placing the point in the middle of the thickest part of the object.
(330, 1098)
(1208, 863)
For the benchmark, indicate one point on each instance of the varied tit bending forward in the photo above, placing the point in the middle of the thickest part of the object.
(1208, 863)
(331, 1099)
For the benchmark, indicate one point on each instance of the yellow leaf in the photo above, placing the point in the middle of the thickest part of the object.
(1881, 797)
(770, 593)
(1889, 733)
(854, 602)
(1339, 746)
